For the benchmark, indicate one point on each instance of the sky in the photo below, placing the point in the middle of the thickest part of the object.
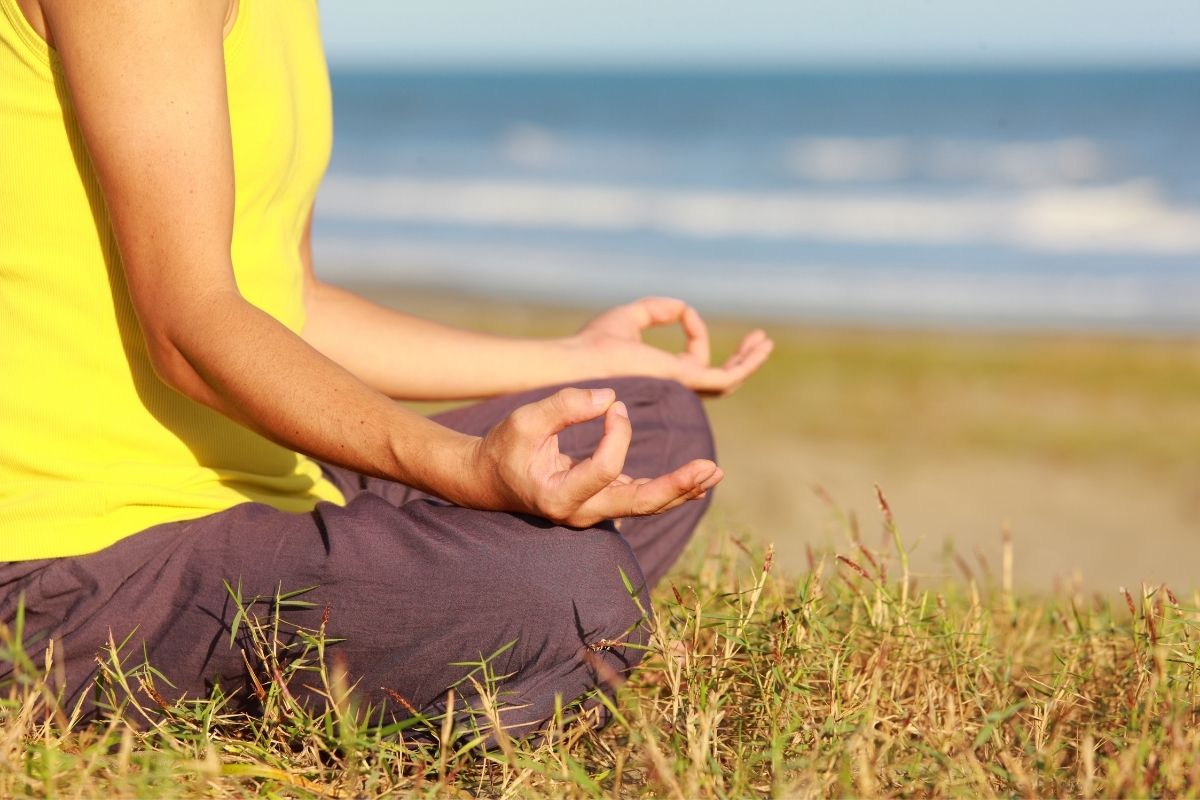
(614, 33)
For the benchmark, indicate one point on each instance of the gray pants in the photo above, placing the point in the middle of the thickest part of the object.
(411, 584)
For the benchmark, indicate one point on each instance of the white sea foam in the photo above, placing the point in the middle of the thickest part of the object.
(846, 159)
(1004, 163)
(1017, 163)
(530, 145)
(1129, 218)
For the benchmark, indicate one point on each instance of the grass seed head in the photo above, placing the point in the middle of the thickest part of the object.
(884, 506)
(678, 596)
(1129, 602)
(854, 566)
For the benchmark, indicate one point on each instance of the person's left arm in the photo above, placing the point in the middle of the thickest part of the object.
(410, 358)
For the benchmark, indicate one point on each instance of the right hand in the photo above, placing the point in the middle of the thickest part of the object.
(519, 463)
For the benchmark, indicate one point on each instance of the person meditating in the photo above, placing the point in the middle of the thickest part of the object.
(186, 405)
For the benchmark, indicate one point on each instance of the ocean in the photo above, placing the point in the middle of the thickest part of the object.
(1015, 199)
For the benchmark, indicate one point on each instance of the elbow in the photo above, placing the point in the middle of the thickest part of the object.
(173, 367)
(181, 343)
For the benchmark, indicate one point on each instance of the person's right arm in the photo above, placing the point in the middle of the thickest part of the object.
(147, 82)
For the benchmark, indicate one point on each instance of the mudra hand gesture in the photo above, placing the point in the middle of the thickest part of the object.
(615, 337)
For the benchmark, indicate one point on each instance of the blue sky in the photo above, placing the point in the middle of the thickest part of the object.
(765, 32)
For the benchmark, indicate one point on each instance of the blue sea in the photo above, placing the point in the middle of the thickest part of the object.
(1023, 199)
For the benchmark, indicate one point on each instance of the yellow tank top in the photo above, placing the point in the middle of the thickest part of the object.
(93, 446)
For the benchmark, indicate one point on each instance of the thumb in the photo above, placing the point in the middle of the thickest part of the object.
(566, 407)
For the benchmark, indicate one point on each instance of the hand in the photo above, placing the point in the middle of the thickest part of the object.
(616, 338)
(519, 463)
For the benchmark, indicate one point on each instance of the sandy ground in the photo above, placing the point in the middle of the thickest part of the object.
(1088, 448)
(1103, 525)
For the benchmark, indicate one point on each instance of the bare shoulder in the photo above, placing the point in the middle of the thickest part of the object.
(35, 14)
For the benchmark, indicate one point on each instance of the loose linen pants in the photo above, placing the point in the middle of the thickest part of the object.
(411, 584)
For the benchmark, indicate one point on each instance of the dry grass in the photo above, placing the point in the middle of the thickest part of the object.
(847, 680)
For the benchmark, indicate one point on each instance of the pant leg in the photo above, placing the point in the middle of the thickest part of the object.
(411, 590)
(670, 428)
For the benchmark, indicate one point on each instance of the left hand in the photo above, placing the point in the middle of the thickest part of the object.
(615, 337)
(517, 466)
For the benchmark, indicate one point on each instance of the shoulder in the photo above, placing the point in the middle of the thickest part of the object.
(36, 12)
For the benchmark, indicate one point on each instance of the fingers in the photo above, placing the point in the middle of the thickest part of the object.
(596, 489)
(750, 355)
(753, 351)
(654, 496)
(654, 311)
(751, 340)
(548, 483)
(697, 336)
(603, 467)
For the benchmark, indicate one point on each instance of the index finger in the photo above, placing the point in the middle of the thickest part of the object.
(655, 311)
(604, 466)
(734, 372)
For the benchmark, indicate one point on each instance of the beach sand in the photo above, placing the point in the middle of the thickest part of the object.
(1086, 447)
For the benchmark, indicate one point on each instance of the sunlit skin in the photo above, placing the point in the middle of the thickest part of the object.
(148, 84)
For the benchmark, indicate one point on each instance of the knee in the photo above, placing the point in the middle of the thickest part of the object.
(597, 592)
(685, 411)
(680, 410)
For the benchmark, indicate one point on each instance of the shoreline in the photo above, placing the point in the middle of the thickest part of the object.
(411, 295)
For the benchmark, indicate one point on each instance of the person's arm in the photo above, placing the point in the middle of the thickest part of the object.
(411, 358)
(147, 82)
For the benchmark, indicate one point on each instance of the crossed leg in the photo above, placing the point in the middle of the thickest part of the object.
(414, 586)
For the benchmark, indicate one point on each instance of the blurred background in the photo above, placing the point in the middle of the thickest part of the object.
(974, 229)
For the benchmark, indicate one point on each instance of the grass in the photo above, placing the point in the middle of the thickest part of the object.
(1076, 399)
(848, 678)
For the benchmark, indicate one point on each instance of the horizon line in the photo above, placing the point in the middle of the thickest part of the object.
(632, 65)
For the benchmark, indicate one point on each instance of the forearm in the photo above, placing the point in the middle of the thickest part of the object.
(235, 358)
(410, 358)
